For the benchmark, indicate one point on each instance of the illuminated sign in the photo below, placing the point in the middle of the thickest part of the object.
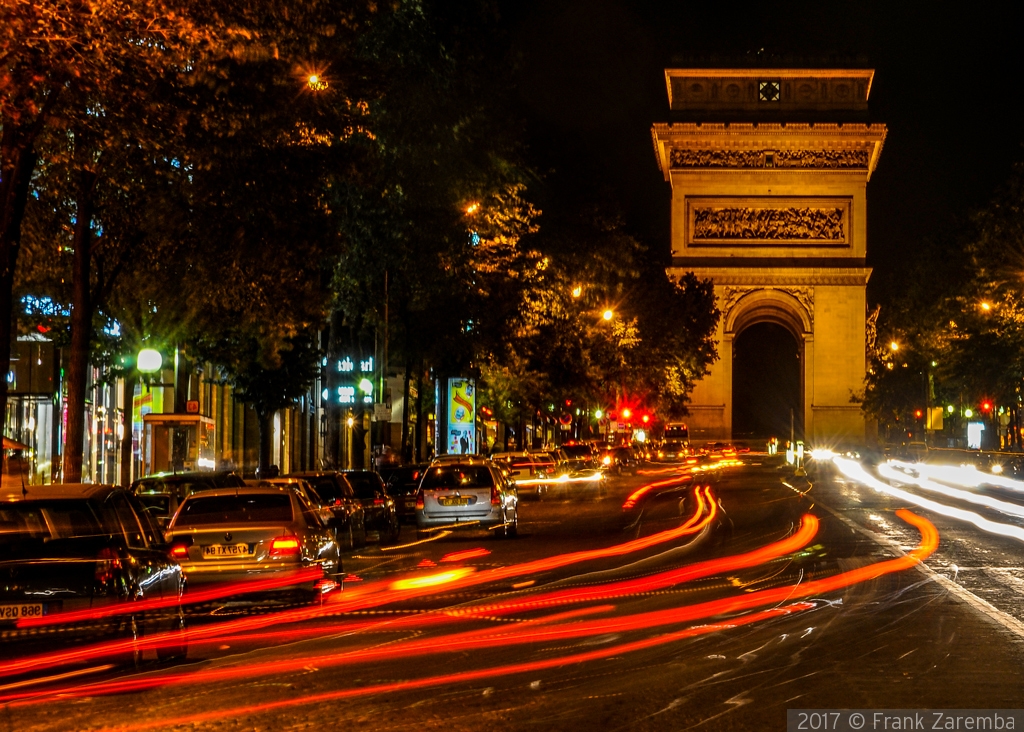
(461, 416)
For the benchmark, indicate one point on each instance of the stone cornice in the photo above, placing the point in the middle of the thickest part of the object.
(742, 88)
(761, 136)
(768, 277)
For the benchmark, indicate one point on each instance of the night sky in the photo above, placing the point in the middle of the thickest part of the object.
(948, 84)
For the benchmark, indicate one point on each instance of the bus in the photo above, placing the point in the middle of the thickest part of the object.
(678, 432)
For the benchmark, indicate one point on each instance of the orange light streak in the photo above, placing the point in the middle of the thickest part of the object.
(474, 640)
(214, 592)
(369, 595)
(467, 676)
(467, 554)
(640, 492)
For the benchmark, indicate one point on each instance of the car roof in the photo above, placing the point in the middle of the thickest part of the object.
(58, 491)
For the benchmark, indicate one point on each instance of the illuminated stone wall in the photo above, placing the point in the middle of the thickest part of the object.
(775, 214)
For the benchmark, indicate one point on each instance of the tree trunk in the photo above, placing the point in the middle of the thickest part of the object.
(81, 330)
(17, 161)
(127, 400)
(406, 444)
(265, 418)
(332, 379)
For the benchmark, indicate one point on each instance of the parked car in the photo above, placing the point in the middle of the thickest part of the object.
(620, 460)
(252, 533)
(379, 510)
(469, 494)
(75, 547)
(162, 494)
(402, 484)
(349, 523)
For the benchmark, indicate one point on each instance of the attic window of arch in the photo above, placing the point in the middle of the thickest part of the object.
(769, 90)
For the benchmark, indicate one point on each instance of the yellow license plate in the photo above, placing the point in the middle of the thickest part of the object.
(453, 501)
(23, 610)
(214, 551)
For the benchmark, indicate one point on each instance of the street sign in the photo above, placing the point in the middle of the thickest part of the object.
(382, 412)
(192, 406)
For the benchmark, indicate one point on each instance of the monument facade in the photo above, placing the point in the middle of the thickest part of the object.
(769, 171)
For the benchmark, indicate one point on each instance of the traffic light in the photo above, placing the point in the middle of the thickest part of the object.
(646, 418)
(918, 413)
(986, 407)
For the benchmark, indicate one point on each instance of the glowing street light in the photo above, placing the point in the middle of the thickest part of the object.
(894, 346)
(472, 209)
(577, 291)
(316, 82)
(608, 314)
(149, 361)
(599, 414)
(986, 306)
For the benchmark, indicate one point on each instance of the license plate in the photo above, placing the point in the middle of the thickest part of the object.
(24, 610)
(212, 551)
(453, 501)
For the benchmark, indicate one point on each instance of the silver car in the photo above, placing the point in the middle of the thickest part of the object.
(253, 533)
(471, 493)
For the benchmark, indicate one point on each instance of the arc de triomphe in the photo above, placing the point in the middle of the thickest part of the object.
(769, 171)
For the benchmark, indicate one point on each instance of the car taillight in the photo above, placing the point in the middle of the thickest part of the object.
(284, 546)
(179, 551)
(107, 566)
(419, 500)
(495, 496)
(378, 501)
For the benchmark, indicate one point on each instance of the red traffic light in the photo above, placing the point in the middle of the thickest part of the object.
(986, 406)
(646, 418)
(918, 413)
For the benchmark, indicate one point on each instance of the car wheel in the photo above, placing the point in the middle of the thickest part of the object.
(177, 651)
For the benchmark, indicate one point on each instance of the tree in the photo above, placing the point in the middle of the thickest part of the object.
(55, 56)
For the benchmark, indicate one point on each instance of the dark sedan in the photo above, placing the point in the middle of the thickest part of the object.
(379, 509)
(402, 485)
(77, 551)
(337, 493)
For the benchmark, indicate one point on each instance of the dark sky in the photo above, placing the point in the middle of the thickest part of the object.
(948, 84)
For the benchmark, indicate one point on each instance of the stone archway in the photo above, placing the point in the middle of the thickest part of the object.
(769, 331)
(769, 171)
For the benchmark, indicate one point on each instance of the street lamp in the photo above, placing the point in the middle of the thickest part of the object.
(608, 314)
(149, 361)
(894, 346)
(577, 291)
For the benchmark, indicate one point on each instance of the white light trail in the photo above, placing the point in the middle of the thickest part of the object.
(854, 471)
(890, 473)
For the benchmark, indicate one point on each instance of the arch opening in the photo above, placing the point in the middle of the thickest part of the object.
(767, 388)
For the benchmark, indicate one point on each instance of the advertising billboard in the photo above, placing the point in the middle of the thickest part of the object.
(461, 416)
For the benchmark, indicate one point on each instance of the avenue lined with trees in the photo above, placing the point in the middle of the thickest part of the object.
(230, 180)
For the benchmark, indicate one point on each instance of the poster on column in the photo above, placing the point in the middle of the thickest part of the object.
(461, 416)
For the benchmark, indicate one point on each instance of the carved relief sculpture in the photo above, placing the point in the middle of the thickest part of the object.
(768, 224)
(804, 159)
(731, 295)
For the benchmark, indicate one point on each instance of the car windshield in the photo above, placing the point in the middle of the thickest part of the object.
(237, 509)
(50, 520)
(457, 476)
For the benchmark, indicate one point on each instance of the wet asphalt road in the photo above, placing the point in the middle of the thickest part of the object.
(552, 647)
